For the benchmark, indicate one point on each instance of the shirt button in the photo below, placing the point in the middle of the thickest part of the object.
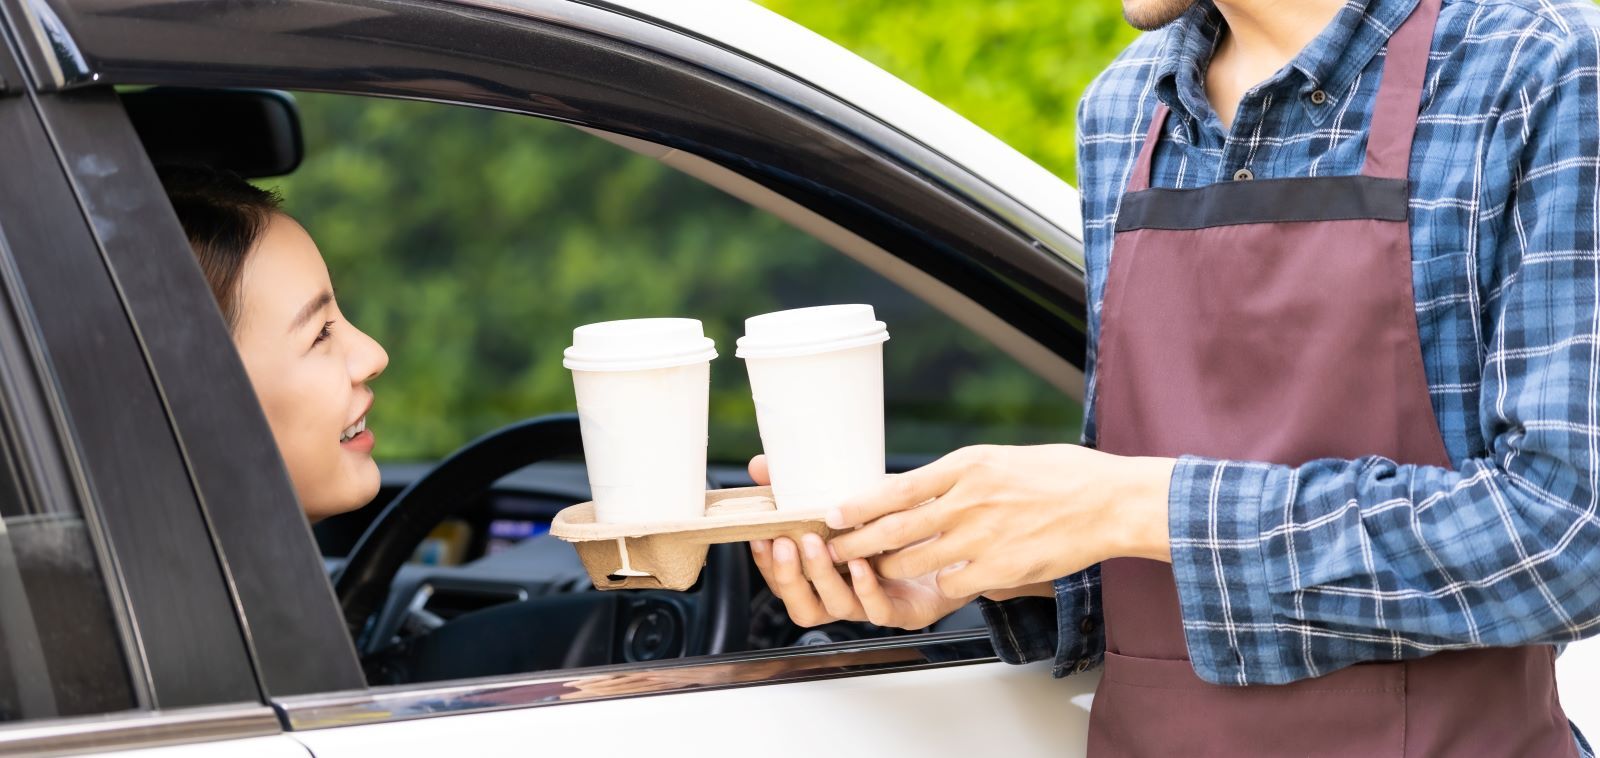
(1087, 625)
(1243, 175)
(1319, 97)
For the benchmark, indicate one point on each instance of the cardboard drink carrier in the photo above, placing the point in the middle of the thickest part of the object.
(668, 555)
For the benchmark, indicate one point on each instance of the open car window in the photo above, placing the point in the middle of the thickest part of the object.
(470, 243)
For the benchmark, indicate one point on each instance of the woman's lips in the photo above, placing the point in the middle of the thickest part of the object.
(361, 443)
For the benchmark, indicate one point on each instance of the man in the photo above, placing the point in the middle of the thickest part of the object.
(1344, 403)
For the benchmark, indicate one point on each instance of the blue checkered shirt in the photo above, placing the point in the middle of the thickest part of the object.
(1286, 573)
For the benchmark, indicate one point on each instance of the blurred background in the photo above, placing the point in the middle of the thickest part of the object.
(471, 243)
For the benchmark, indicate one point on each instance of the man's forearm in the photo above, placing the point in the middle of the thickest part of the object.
(1139, 507)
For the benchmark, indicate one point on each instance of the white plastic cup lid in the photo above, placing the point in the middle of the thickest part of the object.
(807, 331)
(638, 345)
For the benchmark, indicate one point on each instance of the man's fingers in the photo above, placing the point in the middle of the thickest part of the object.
(790, 585)
(837, 597)
(898, 492)
(759, 472)
(923, 558)
(891, 532)
(877, 604)
(761, 553)
(963, 580)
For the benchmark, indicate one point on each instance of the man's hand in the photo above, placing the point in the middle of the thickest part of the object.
(814, 593)
(990, 518)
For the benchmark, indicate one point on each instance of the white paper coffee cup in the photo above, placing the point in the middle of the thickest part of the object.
(817, 378)
(643, 388)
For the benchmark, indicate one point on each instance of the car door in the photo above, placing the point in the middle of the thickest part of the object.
(649, 229)
(866, 189)
(571, 62)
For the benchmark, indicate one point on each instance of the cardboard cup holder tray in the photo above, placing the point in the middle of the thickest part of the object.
(668, 555)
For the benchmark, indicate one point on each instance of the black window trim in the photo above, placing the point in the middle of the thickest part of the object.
(184, 641)
(47, 476)
(229, 458)
(41, 468)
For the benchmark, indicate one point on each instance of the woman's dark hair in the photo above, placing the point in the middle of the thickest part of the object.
(223, 216)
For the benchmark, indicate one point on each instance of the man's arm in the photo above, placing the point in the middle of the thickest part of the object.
(1287, 573)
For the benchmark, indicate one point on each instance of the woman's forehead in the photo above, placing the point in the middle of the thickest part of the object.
(282, 274)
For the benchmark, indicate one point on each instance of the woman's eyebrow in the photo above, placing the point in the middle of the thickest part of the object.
(317, 304)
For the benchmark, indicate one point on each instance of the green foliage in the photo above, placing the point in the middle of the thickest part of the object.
(471, 243)
(1014, 67)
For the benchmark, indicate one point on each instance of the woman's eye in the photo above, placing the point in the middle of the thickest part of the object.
(327, 331)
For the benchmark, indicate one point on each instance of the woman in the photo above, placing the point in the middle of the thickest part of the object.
(309, 366)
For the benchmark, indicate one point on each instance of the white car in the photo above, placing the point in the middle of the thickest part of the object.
(160, 593)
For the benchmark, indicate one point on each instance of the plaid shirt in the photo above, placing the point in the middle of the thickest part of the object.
(1286, 573)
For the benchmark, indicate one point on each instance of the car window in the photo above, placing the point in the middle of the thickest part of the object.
(60, 651)
(470, 243)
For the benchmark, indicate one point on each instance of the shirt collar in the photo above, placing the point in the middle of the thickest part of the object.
(1330, 62)
(1186, 51)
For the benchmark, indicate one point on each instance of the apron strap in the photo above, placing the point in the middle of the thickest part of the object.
(1139, 179)
(1394, 115)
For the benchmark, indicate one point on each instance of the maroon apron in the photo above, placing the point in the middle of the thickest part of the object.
(1274, 321)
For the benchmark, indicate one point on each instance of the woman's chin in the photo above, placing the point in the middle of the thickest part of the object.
(361, 484)
(319, 511)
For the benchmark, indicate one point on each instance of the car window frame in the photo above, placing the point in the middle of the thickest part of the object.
(99, 428)
(966, 233)
(661, 85)
(232, 472)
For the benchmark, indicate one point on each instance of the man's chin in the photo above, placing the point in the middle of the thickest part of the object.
(1150, 15)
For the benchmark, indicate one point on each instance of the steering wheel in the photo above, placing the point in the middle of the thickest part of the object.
(719, 617)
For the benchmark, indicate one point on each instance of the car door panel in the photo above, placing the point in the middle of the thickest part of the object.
(982, 709)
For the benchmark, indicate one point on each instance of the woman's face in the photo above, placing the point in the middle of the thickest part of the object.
(310, 370)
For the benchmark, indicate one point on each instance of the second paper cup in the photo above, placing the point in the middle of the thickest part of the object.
(816, 375)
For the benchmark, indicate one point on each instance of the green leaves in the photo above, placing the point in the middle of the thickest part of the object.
(1014, 67)
(470, 243)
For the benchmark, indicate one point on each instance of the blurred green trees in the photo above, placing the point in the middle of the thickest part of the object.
(470, 243)
(1014, 67)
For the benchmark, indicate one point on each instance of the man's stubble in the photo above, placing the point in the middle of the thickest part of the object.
(1150, 15)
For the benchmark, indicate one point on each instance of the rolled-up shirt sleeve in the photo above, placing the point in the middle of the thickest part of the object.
(1065, 629)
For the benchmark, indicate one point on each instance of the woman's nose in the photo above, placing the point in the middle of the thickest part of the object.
(368, 358)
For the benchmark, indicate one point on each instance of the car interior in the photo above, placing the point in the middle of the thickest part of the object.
(450, 573)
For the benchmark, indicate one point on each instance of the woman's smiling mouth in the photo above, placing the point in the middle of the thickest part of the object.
(356, 438)
(354, 429)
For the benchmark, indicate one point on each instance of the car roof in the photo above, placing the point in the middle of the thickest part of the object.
(759, 34)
